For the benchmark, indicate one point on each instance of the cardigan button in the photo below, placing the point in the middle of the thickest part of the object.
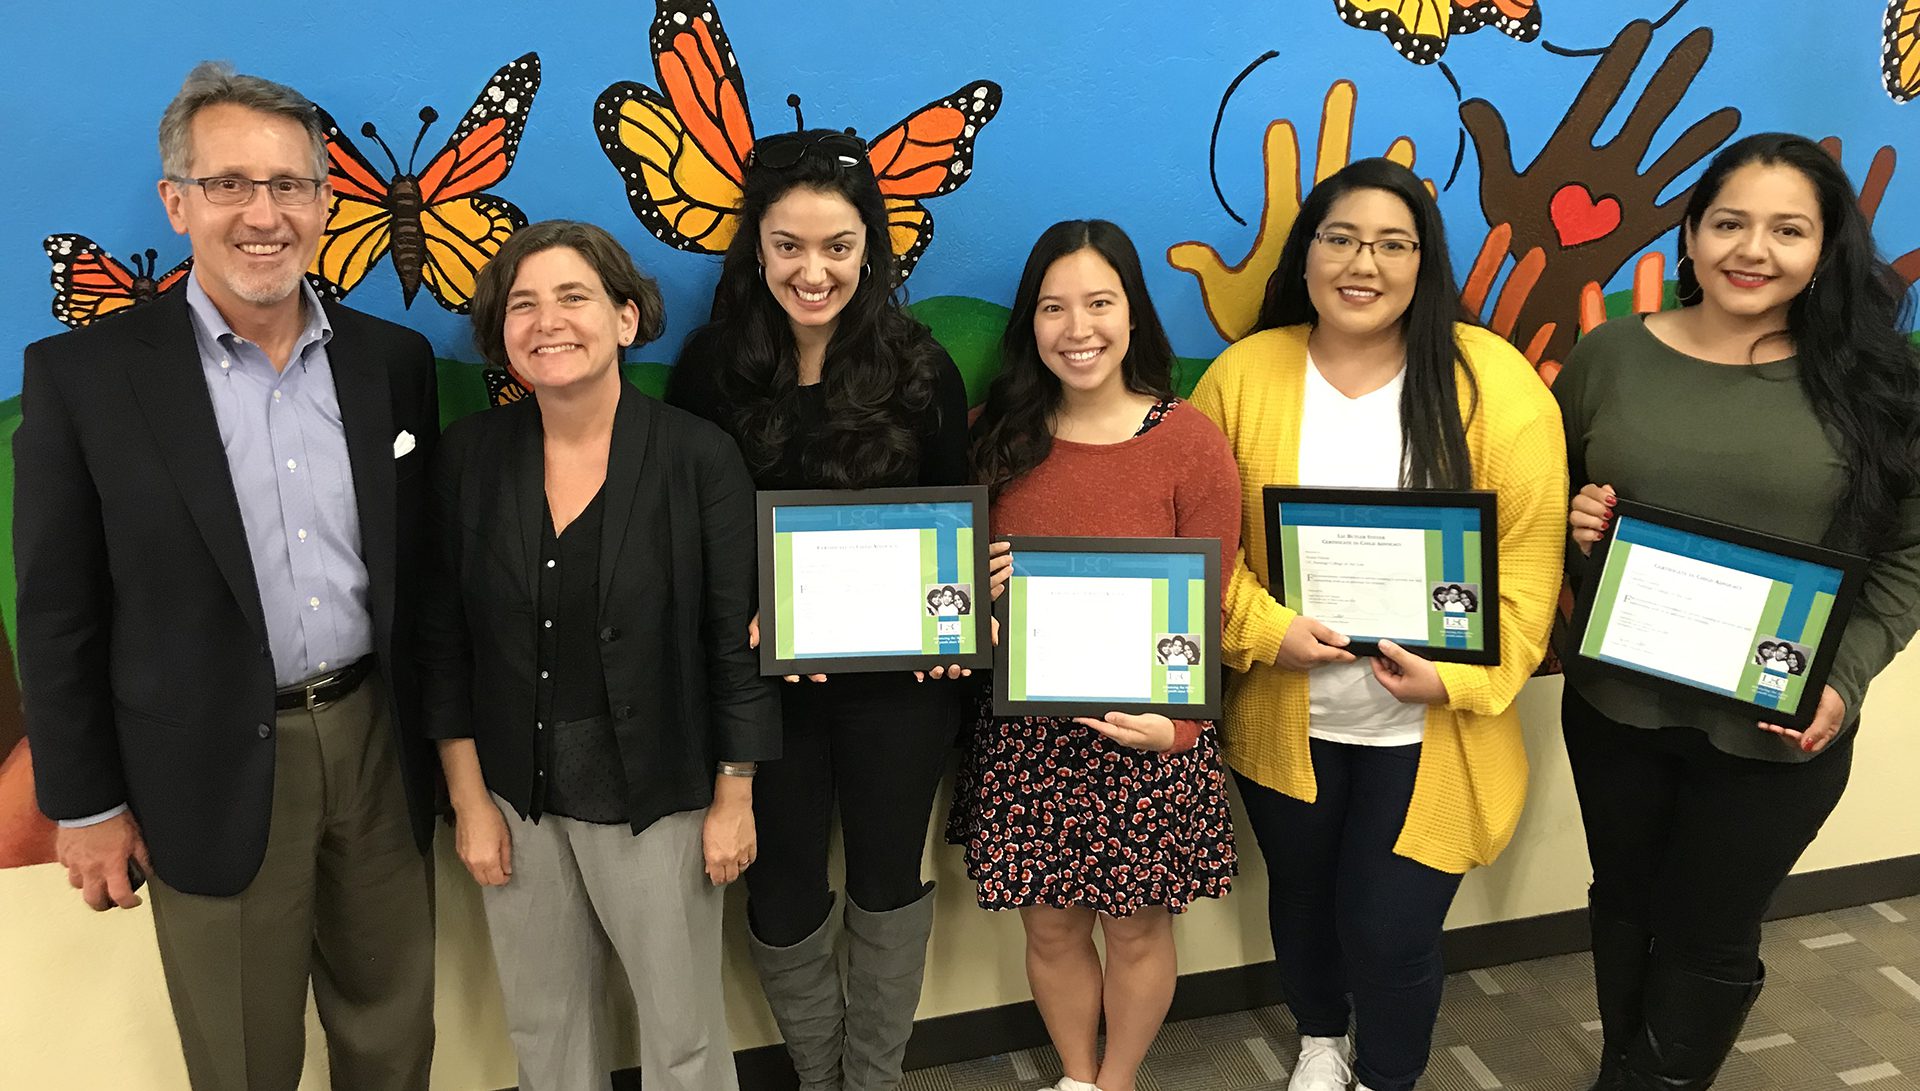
(265, 731)
(609, 634)
(626, 712)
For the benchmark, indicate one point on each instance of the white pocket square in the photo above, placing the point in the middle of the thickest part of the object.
(402, 444)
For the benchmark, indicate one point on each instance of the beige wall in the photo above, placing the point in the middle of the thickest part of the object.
(82, 1004)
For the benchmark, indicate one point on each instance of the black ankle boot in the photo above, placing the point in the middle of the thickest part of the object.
(1620, 950)
(1692, 1022)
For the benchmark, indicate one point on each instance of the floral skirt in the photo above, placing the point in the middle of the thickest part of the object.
(1053, 813)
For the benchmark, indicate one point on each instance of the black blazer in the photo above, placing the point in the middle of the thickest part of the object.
(144, 664)
(677, 587)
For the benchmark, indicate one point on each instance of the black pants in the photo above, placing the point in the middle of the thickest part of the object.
(873, 746)
(1349, 916)
(1689, 842)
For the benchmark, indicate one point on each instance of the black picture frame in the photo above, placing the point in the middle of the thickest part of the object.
(1851, 571)
(1212, 678)
(972, 569)
(1482, 501)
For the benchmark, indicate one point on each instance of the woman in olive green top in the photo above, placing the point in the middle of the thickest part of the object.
(1782, 397)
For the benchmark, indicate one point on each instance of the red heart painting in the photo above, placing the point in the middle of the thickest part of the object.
(1579, 218)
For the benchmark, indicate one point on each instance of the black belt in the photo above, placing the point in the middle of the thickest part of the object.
(323, 689)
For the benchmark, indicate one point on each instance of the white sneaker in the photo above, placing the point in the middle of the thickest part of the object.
(1325, 1064)
(1067, 1084)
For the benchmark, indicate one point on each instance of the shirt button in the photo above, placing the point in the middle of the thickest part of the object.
(225, 364)
(292, 465)
(314, 602)
(323, 665)
(303, 535)
(543, 674)
(548, 624)
(276, 395)
(265, 731)
(539, 726)
(549, 564)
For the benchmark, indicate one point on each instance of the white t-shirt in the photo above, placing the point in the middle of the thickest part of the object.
(1354, 443)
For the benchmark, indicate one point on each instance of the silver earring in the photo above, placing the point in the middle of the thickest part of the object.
(1681, 270)
(865, 270)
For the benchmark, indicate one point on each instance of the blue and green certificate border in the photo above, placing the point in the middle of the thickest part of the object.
(1461, 529)
(1813, 593)
(952, 520)
(1185, 577)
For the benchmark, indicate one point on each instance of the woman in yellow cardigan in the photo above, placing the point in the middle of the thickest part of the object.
(1373, 785)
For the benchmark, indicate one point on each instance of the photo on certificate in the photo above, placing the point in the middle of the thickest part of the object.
(866, 580)
(1742, 618)
(1418, 567)
(1090, 626)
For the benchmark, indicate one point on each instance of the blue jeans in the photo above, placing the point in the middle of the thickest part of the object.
(1350, 917)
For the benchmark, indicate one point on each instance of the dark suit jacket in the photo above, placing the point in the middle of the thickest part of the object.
(677, 587)
(146, 675)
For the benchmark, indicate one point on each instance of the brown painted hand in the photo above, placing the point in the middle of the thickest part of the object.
(1588, 208)
(1872, 191)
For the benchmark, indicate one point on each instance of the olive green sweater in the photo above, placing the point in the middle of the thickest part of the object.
(1736, 444)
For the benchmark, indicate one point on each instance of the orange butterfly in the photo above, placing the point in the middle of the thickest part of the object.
(1900, 59)
(683, 153)
(438, 225)
(89, 283)
(1419, 29)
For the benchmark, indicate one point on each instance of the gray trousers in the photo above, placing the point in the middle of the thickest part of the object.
(581, 891)
(343, 895)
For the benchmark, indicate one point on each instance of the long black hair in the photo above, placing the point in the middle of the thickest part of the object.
(1860, 374)
(879, 369)
(1431, 428)
(1014, 431)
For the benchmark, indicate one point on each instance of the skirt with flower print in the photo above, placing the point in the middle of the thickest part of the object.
(1053, 813)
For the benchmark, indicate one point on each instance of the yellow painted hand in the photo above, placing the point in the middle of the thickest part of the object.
(1233, 293)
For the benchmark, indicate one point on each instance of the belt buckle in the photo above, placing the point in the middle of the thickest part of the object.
(313, 703)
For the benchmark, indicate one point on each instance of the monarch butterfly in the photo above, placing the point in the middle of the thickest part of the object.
(1900, 62)
(438, 225)
(89, 283)
(1419, 29)
(504, 387)
(683, 153)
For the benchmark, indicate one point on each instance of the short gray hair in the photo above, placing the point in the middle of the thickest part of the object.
(212, 83)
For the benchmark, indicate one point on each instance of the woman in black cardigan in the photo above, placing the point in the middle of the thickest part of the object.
(588, 678)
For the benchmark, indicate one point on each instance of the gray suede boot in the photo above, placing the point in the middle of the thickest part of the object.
(802, 983)
(886, 959)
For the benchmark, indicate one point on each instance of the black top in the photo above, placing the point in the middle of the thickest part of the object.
(674, 573)
(941, 426)
(581, 758)
(942, 431)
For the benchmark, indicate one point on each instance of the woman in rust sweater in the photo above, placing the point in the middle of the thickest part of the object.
(1123, 820)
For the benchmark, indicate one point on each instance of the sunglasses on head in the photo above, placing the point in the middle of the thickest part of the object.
(782, 151)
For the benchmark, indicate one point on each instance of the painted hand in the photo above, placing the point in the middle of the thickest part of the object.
(1587, 209)
(1872, 191)
(1232, 293)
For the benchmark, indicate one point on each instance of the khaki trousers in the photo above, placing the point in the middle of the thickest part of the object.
(342, 897)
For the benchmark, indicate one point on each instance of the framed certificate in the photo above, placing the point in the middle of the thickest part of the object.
(1090, 626)
(873, 580)
(1418, 567)
(1740, 618)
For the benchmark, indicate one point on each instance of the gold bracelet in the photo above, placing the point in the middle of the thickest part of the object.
(737, 768)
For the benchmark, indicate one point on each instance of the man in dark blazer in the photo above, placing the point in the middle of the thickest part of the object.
(217, 506)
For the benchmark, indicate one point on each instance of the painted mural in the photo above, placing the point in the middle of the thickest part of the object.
(1561, 144)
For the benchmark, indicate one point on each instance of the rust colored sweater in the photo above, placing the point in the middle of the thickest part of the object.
(1177, 480)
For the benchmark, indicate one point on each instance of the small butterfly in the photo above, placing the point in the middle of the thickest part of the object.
(683, 153)
(1900, 62)
(89, 283)
(1419, 28)
(438, 225)
(504, 387)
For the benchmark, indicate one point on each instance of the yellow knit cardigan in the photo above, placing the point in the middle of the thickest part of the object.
(1472, 779)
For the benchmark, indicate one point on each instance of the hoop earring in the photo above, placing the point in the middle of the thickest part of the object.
(1682, 269)
(865, 270)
